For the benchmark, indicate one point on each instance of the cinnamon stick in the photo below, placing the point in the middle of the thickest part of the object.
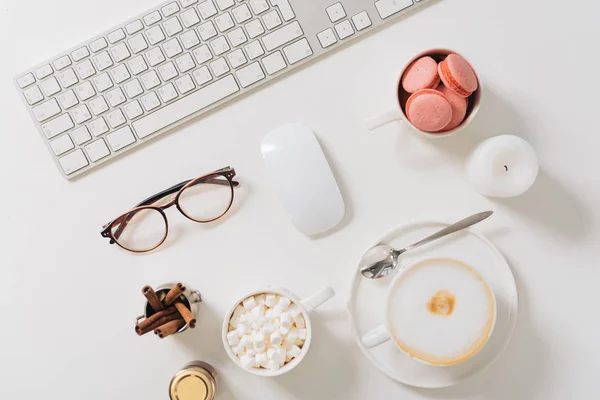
(173, 294)
(186, 314)
(169, 328)
(152, 298)
(156, 320)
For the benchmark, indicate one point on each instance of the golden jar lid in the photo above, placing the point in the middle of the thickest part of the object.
(196, 381)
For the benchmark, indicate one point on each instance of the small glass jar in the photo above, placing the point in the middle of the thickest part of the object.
(196, 381)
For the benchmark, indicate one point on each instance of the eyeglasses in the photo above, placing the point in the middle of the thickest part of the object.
(145, 227)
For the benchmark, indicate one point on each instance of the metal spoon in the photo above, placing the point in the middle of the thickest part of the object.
(381, 260)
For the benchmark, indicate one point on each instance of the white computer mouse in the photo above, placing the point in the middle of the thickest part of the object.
(303, 178)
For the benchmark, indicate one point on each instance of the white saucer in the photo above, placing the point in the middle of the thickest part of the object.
(367, 300)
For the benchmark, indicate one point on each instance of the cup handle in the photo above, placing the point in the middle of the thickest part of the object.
(390, 115)
(318, 298)
(376, 336)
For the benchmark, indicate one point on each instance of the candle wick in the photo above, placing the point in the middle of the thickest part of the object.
(505, 168)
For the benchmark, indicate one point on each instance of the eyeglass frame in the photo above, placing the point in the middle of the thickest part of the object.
(227, 172)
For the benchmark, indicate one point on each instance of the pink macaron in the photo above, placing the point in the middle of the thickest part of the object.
(428, 110)
(457, 75)
(459, 107)
(421, 74)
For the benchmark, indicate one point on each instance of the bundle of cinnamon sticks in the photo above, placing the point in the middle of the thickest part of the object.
(170, 312)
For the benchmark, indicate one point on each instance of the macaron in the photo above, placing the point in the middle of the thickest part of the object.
(459, 107)
(428, 110)
(421, 74)
(457, 75)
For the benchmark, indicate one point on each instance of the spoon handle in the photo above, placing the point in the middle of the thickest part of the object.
(460, 225)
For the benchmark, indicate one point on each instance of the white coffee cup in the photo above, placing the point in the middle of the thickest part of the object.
(459, 310)
(306, 307)
(396, 112)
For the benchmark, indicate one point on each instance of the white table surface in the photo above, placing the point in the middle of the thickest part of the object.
(69, 299)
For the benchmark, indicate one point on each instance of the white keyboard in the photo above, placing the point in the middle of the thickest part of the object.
(176, 61)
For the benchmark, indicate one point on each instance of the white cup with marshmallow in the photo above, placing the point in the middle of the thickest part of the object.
(268, 332)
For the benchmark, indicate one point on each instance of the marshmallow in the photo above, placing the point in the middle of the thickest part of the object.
(258, 322)
(288, 358)
(260, 299)
(258, 311)
(248, 361)
(280, 357)
(287, 344)
(271, 352)
(277, 310)
(284, 331)
(250, 351)
(284, 302)
(242, 329)
(260, 347)
(292, 335)
(239, 310)
(238, 349)
(294, 352)
(234, 322)
(269, 314)
(294, 310)
(232, 338)
(299, 320)
(276, 338)
(272, 365)
(267, 329)
(285, 320)
(246, 318)
(298, 342)
(261, 360)
(249, 303)
(246, 341)
(270, 300)
(302, 334)
(258, 338)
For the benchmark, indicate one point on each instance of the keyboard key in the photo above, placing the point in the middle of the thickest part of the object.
(272, 20)
(250, 74)
(116, 36)
(33, 95)
(189, 18)
(134, 27)
(98, 105)
(219, 45)
(170, 9)
(186, 106)
(85, 69)
(44, 71)
(73, 162)
(207, 30)
(172, 26)
(202, 54)
(62, 145)
(202, 75)
(120, 52)
(224, 22)
(67, 99)
(167, 93)
(185, 63)
(46, 110)
(254, 28)
(185, 84)
(98, 45)
(154, 57)
(241, 13)
(152, 18)
(219, 67)
(150, 80)
(336, 12)
(155, 35)
(259, 6)
(80, 54)
(385, 8)
(120, 138)
(85, 91)
(361, 21)
(274, 63)
(187, 3)
(81, 114)
(81, 135)
(298, 51)
(120, 74)
(97, 150)
(207, 9)
(115, 118)
(133, 88)
(150, 101)
(254, 50)
(102, 61)
(282, 36)
(98, 127)
(172, 48)
(344, 29)
(102, 82)
(167, 71)
(327, 38)
(25, 81)
(236, 58)
(137, 43)
(116, 97)
(225, 4)
(62, 63)
(68, 78)
(189, 40)
(57, 126)
(133, 109)
(237, 37)
(284, 7)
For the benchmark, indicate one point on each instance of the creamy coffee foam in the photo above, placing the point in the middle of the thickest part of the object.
(440, 311)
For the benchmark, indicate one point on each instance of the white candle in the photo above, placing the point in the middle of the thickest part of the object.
(502, 166)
